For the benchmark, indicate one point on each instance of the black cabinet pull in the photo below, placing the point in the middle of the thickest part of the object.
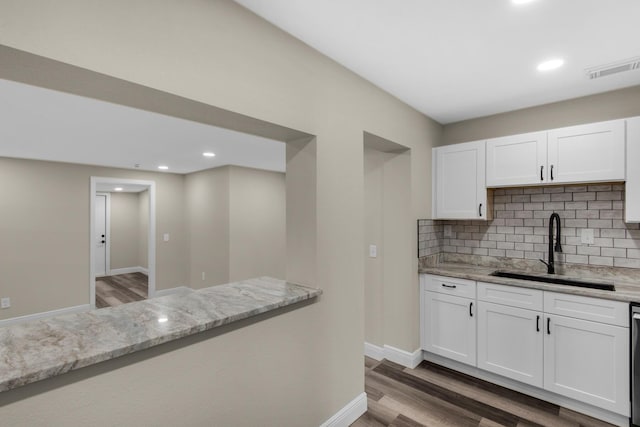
(548, 325)
(471, 309)
(551, 172)
(449, 286)
(538, 323)
(480, 210)
(541, 176)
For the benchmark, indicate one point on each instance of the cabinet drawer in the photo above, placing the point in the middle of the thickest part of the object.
(587, 308)
(451, 286)
(530, 299)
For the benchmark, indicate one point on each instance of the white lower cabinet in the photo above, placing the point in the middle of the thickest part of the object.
(449, 327)
(510, 342)
(570, 345)
(587, 361)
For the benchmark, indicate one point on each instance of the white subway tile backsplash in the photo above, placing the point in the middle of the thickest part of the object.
(561, 197)
(599, 260)
(579, 197)
(626, 262)
(614, 252)
(599, 204)
(520, 227)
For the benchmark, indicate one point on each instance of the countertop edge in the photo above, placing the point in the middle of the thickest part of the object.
(44, 370)
(624, 292)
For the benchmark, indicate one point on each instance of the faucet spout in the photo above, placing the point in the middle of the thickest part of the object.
(558, 247)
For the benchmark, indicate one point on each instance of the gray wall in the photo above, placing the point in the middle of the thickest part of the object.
(595, 108)
(221, 55)
(125, 230)
(45, 233)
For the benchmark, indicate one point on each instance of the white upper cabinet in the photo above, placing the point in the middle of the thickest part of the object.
(587, 153)
(459, 190)
(517, 160)
(632, 196)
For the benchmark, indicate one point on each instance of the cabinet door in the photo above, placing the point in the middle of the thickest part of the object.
(459, 181)
(632, 187)
(517, 160)
(587, 153)
(450, 327)
(587, 361)
(510, 342)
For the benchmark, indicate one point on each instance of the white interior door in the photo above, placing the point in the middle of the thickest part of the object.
(100, 258)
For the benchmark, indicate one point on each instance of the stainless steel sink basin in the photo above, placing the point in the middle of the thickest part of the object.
(556, 280)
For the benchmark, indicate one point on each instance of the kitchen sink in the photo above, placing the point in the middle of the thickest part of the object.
(555, 280)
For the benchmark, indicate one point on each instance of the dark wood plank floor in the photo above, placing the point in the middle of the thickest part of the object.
(431, 395)
(121, 289)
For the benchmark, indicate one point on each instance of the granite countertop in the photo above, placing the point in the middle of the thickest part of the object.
(625, 290)
(41, 349)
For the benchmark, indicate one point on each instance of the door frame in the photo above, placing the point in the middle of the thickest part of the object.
(151, 244)
(107, 219)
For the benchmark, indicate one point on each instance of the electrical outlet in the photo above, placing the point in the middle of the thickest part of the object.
(203, 275)
(447, 231)
(5, 302)
(165, 237)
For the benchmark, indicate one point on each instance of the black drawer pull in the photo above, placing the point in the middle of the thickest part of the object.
(449, 286)
(548, 325)
(480, 210)
(471, 309)
(551, 172)
(538, 323)
(541, 176)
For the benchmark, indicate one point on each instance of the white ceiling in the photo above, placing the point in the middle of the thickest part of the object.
(43, 124)
(455, 60)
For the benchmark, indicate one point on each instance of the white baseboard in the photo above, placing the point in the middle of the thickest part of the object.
(127, 270)
(171, 291)
(349, 413)
(373, 351)
(45, 314)
(401, 357)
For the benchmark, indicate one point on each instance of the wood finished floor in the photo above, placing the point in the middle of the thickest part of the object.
(431, 395)
(121, 289)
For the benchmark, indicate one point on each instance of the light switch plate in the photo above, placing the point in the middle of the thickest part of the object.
(447, 231)
(587, 236)
(5, 302)
(165, 237)
(373, 251)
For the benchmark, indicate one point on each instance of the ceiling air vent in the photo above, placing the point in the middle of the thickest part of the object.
(614, 68)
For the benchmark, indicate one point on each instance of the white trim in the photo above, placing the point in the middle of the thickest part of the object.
(584, 408)
(127, 270)
(151, 246)
(373, 351)
(404, 358)
(171, 291)
(393, 354)
(45, 314)
(349, 413)
(107, 231)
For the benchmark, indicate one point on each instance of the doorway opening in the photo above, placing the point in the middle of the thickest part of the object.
(122, 243)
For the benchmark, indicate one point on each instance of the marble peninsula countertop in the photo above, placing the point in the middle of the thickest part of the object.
(45, 348)
(626, 289)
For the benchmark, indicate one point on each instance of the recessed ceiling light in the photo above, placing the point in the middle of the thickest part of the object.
(551, 64)
(521, 1)
(163, 319)
(163, 167)
(117, 189)
(209, 154)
